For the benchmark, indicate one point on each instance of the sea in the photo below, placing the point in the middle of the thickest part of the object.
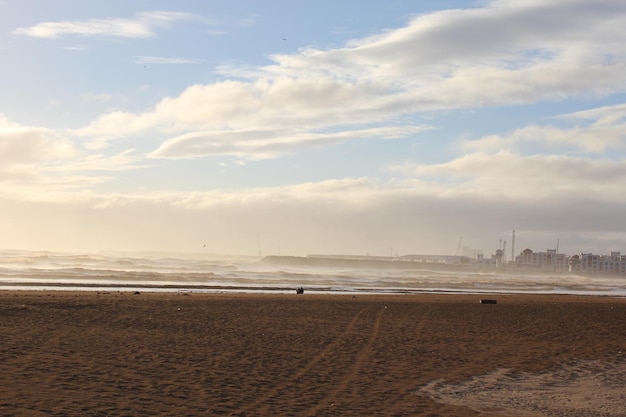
(207, 273)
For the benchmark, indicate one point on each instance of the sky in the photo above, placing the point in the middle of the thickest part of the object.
(299, 127)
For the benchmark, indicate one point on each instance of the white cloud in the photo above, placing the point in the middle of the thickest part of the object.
(112, 125)
(75, 48)
(506, 52)
(562, 178)
(602, 116)
(247, 21)
(505, 175)
(592, 140)
(27, 145)
(122, 161)
(142, 26)
(40, 164)
(162, 60)
(267, 144)
(477, 196)
(595, 131)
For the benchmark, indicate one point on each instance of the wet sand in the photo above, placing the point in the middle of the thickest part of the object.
(181, 354)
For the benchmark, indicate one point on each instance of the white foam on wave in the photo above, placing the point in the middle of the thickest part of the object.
(32, 270)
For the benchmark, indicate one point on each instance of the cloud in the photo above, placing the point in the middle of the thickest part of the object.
(42, 164)
(75, 48)
(351, 215)
(595, 131)
(505, 42)
(27, 145)
(161, 60)
(111, 126)
(256, 144)
(505, 53)
(562, 178)
(247, 21)
(123, 161)
(506, 175)
(142, 26)
(534, 163)
(424, 209)
(601, 116)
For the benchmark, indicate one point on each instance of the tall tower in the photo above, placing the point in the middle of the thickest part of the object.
(513, 247)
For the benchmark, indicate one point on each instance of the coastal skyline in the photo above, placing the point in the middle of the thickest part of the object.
(295, 128)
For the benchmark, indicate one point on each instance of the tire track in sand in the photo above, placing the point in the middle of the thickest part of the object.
(276, 391)
(362, 357)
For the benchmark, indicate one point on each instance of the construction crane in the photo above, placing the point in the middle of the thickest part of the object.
(458, 247)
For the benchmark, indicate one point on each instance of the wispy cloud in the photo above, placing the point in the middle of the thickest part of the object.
(142, 26)
(123, 161)
(593, 131)
(75, 48)
(247, 21)
(255, 144)
(144, 60)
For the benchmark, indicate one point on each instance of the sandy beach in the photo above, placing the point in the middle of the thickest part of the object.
(187, 354)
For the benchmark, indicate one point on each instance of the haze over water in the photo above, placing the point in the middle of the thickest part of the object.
(209, 273)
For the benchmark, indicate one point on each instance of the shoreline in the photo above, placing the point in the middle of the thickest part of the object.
(503, 298)
(246, 289)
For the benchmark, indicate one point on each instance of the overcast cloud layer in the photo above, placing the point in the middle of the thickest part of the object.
(465, 122)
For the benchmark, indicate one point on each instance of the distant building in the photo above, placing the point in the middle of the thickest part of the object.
(615, 263)
(493, 261)
(549, 260)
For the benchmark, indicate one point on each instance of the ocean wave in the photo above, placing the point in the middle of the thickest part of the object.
(202, 272)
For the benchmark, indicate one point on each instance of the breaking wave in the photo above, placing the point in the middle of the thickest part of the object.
(201, 272)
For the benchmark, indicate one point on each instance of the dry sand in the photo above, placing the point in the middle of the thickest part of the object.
(125, 354)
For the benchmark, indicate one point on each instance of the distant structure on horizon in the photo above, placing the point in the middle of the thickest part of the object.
(549, 260)
(615, 263)
(552, 260)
